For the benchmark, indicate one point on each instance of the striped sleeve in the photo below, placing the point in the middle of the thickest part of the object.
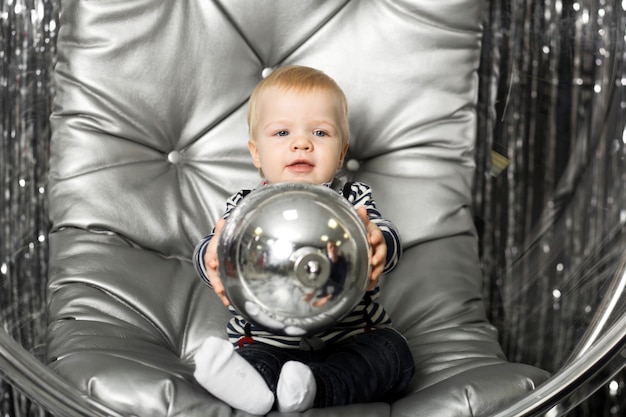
(360, 195)
(201, 247)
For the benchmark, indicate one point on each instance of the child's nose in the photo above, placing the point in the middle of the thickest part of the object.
(301, 143)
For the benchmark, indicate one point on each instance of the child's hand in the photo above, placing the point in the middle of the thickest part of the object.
(378, 248)
(211, 263)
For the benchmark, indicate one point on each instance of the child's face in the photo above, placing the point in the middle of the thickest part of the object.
(296, 137)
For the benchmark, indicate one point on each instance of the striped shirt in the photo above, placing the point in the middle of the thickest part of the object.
(366, 315)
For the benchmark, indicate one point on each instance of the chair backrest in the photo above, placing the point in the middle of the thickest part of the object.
(149, 119)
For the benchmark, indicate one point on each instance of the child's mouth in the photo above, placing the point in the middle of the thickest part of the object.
(301, 166)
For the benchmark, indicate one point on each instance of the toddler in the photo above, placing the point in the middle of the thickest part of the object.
(299, 132)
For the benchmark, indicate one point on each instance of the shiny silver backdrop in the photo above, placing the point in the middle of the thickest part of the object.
(550, 197)
(550, 200)
(27, 54)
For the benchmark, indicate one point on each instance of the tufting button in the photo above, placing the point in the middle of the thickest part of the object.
(266, 71)
(175, 157)
(352, 165)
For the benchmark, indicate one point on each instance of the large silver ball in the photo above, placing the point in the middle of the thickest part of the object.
(294, 258)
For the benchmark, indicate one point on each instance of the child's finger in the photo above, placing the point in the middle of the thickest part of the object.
(219, 225)
(377, 260)
(375, 236)
(362, 212)
(218, 287)
(213, 263)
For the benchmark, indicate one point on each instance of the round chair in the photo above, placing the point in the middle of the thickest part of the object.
(149, 138)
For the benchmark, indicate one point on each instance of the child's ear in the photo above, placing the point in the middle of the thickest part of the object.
(254, 152)
(344, 151)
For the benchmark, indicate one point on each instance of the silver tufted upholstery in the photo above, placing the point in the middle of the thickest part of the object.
(149, 138)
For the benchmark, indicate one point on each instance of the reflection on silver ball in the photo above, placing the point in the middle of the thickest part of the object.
(294, 258)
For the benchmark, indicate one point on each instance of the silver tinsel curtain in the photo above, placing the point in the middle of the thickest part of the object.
(550, 197)
(27, 54)
(550, 201)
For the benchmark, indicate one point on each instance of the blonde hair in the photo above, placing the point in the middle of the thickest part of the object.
(300, 79)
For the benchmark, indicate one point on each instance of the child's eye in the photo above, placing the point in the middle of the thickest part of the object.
(282, 133)
(320, 133)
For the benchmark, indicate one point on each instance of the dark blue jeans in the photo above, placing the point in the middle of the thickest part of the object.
(373, 366)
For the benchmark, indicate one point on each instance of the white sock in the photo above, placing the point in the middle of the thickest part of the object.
(296, 387)
(228, 376)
